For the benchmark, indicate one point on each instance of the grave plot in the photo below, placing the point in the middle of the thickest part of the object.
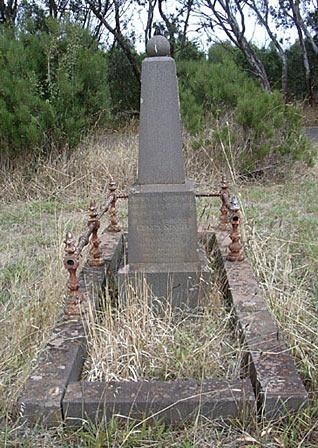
(155, 348)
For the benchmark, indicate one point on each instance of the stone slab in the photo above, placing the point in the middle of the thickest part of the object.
(162, 227)
(312, 133)
(271, 368)
(62, 360)
(183, 285)
(61, 363)
(160, 146)
(171, 402)
(278, 386)
(113, 247)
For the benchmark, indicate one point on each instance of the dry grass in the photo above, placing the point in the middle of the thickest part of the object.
(31, 287)
(38, 206)
(286, 265)
(139, 340)
(81, 174)
(86, 172)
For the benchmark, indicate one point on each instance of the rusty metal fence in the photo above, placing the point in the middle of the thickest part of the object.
(229, 221)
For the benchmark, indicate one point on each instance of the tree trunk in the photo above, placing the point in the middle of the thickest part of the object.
(120, 38)
(284, 75)
(255, 63)
(170, 28)
(263, 12)
(227, 20)
(307, 68)
(305, 28)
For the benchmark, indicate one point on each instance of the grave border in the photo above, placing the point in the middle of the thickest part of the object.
(58, 395)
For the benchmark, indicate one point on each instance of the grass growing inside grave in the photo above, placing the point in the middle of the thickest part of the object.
(136, 342)
(37, 208)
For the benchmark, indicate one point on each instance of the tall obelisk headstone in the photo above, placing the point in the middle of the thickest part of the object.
(162, 222)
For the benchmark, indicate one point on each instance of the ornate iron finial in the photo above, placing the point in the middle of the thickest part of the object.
(69, 244)
(224, 195)
(234, 205)
(71, 263)
(113, 220)
(235, 247)
(95, 253)
(92, 210)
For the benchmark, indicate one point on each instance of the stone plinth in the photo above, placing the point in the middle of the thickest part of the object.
(181, 285)
(163, 249)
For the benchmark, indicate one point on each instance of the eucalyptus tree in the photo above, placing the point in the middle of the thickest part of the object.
(263, 12)
(289, 15)
(176, 22)
(299, 8)
(230, 16)
(9, 11)
(112, 15)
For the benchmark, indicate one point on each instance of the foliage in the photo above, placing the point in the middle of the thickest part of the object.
(123, 85)
(296, 71)
(53, 87)
(263, 122)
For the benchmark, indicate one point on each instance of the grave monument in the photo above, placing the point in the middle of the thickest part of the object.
(163, 246)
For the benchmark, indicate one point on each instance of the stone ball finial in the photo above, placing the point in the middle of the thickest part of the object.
(158, 46)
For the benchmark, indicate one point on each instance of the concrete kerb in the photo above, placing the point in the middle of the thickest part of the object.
(277, 385)
(171, 402)
(54, 390)
(63, 358)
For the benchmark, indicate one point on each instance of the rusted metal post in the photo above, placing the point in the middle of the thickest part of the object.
(71, 263)
(114, 223)
(95, 253)
(235, 247)
(224, 195)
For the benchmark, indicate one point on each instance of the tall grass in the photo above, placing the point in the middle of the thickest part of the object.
(38, 205)
(144, 338)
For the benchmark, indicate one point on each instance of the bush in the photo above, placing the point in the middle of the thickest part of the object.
(20, 102)
(261, 123)
(123, 85)
(53, 87)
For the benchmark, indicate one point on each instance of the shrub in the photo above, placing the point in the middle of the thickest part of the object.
(261, 123)
(53, 87)
(20, 101)
(123, 85)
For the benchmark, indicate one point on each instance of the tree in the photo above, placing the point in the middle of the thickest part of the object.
(8, 11)
(150, 16)
(108, 11)
(177, 24)
(262, 10)
(295, 5)
(229, 16)
(288, 15)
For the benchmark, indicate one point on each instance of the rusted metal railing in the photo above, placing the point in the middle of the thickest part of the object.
(229, 214)
(73, 251)
(114, 223)
(95, 253)
(224, 195)
(71, 263)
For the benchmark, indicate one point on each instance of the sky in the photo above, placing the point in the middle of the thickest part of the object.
(254, 32)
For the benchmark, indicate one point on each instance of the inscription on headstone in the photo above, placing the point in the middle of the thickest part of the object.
(161, 228)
